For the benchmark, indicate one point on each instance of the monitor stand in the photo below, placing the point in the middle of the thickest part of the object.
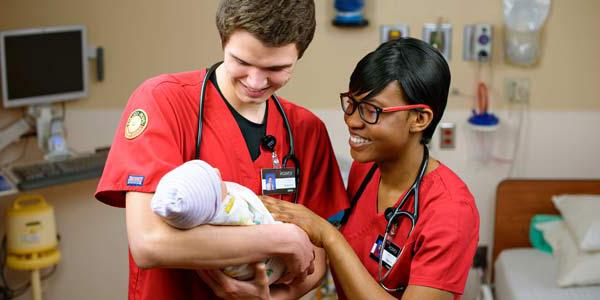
(50, 132)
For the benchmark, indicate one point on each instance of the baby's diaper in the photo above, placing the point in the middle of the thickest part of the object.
(274, 265)
(243, 207)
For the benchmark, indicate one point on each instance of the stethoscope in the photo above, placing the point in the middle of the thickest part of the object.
(268, 142)
(393, 216)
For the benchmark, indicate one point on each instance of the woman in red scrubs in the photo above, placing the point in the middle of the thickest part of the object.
(413, 227)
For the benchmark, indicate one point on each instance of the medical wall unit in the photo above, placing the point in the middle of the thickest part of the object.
(349, 13)
(483, 124)
(524, 21)
(392, 32)
(439, 35)
(477, 42)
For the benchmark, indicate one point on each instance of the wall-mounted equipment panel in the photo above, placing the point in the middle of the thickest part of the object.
(477, 42)
(439, 36)
(392, 32)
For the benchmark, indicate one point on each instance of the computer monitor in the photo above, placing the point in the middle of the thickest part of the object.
(40, 66)
(43, 65)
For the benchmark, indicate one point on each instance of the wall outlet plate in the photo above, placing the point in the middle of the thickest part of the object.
(517, 90)
(439, 36)
(447, 135)
(390, 32)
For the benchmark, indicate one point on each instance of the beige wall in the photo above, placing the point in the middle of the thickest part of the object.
(145, 38)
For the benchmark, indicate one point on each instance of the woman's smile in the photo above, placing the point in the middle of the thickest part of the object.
(357, 141)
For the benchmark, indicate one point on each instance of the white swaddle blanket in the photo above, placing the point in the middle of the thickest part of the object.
(190, 195)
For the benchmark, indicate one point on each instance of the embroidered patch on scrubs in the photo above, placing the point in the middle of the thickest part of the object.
(136, 123)
(134, 180)
(390, 252)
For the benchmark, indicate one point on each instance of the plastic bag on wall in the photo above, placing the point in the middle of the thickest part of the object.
(524, 20)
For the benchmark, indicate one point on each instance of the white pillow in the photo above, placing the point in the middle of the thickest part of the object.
(582, 214)
(575, 267)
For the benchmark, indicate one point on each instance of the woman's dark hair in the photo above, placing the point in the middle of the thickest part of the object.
(420, 70)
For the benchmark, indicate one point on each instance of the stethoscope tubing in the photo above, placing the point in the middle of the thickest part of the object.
(414, 189)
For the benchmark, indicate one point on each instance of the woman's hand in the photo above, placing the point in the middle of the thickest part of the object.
(316, 227)
(229, 288)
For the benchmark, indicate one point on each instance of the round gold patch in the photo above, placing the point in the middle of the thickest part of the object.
(136, 123)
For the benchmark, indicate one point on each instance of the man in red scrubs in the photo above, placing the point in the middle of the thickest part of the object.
(262, 41)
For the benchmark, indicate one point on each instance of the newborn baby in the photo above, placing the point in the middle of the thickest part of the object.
(194, 194)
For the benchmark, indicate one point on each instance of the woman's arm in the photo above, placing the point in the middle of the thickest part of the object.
(354, 278)
(417, 292)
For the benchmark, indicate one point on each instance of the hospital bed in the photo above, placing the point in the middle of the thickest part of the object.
(519, 271)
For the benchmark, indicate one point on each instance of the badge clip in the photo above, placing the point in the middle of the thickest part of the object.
(276, 164)
(268, 143)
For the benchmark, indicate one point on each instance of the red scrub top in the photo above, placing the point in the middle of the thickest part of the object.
(170, 103)
(439, 251)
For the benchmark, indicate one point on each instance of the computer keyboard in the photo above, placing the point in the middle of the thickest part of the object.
(46, 173)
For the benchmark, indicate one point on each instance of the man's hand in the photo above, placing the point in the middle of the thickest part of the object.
(298, 262)
(229, 288)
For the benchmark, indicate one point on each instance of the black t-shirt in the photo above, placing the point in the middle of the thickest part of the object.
(252, 132)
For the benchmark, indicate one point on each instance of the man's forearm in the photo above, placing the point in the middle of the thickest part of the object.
(208, 246)
(154, 243)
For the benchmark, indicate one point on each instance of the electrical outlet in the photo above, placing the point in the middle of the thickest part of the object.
(517, 90)
(447, 135)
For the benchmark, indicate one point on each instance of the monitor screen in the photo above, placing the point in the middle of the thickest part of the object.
(43, 65)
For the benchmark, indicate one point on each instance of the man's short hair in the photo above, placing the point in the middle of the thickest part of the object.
(275, 23)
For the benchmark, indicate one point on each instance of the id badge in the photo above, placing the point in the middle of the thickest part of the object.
(389, 254)
(278, 181)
